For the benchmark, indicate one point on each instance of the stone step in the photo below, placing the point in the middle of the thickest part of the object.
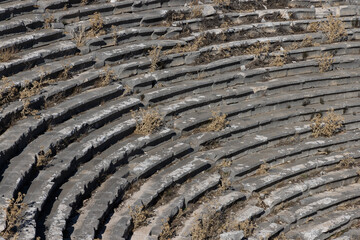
(48, 94)
(350, 234)
(104, 198)
(189, 192)
(289, 170)
(154, 160)
(10, 9)
(134, 34)
(20, 24)
(119, 224)
(51, 70)
(21, 168)
(221, 203)
(114, 54)
(326, 226)
(30, 39)
(65, 163)
(15, 139)
(89, 174)
(243, 165)
(252, 106)
(290, 191)
(309, 206)
(38, 56)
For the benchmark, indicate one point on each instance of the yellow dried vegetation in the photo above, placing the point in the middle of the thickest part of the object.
(13, 217)
(334, 29)
(279, 60)
(106, 77)
(258, 48)
(97, 25)
(154, 55)
(326, 125)
(347, 162)
(218, 122)
(325, 62)
(150, 120)
(7, 54)
(139, 215)
(43, 158)
(167, 232)
(189, 47)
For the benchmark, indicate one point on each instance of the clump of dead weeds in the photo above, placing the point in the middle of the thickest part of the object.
(42, 158)
(347, 162)
(327, 125)
(167, 232)
(13, 217)
(106, 77)
(209, 226)
(218, 122)
(7, 54)
(154, 55)
(325, 62)
(150, 120)
(97, 25)
(139, 215)
(334, 29)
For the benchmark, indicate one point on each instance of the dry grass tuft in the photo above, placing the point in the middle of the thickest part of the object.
(48, 20)
(347, 162)
(27, 110)
(218, 122)
(278, 61)
(209, 226)
(154, 54)
(258, 48)
(79, 36)
(196, 11)
(84, 2)
(189, 47)
(263, 169)
(97, 25)
(138, 215)
(325, 62)
(13, 217)
(334, 29)
(222, 2)
(327, 125)
(7, 54)
(281, 237)
(247, 227)
(65, 74)
(167, 232)
(43, 158)
(106, 78)
(151, 120)
(10, 94)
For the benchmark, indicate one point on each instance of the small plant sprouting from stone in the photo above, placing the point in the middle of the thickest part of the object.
(218, 122)
(7, 54)
(327, 125)
(97, 25)
(106, 78)
(347, 162)
(138, 215)
(325, 62)
(258, 48)
(13, 217)
(154, 55)
(150, 120)
(167, 232)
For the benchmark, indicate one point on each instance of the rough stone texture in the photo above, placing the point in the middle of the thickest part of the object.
(69, 97)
